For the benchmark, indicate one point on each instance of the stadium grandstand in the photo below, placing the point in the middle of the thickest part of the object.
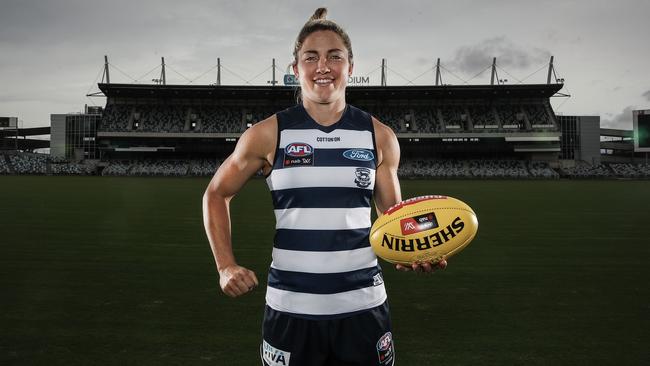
(493, 131)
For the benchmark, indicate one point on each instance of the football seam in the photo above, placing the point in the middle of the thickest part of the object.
(414, 212)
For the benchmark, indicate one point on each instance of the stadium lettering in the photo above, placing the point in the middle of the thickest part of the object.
(425, 242)
(359, 80)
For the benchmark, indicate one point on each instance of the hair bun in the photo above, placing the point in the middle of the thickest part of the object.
(320, 13)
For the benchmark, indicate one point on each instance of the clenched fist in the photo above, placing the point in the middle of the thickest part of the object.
(236, 280)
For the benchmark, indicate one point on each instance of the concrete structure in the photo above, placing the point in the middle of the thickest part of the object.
(580, 138)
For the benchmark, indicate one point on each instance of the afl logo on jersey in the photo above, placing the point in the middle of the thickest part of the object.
(298, 149)
(359, 154)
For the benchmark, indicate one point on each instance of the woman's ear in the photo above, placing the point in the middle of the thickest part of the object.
(295, 68)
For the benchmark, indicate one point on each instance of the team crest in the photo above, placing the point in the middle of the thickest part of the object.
(362, 177)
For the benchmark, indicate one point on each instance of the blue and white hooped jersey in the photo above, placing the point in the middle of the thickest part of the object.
(322, 183)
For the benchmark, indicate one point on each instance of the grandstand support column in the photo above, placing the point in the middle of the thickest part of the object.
(162, 72)
(129, 124)
(383, 72)
(438, 76)
(188, 115)
(550, 70)
(529, 126)
(470, 120)
(497, 117)
(440, 125)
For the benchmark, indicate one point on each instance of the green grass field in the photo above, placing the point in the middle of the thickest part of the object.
(108, 271)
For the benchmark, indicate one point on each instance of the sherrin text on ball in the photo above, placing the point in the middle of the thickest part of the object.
(423, 229)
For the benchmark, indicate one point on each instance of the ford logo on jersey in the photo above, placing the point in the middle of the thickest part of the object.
(359, 154)
(298, 149)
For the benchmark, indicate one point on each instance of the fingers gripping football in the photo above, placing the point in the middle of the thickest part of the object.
(426, 267)
(237, 280)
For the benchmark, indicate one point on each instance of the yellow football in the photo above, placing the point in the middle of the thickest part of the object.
(423, 229)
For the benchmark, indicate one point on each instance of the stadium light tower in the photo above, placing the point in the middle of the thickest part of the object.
(494, 70)
(383, 72)
(438, 76)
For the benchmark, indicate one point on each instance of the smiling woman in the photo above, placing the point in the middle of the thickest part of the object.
(323, 59)
(324, 162)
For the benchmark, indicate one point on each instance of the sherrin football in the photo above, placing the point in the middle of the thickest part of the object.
(423, 229)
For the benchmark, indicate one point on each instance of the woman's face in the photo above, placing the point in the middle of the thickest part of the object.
(323, 67)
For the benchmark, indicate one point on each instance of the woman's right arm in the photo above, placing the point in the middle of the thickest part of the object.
(254, 151)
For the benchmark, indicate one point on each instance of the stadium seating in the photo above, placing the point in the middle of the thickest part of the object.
(115, 118)
(498, 169)
(539, 169)
(176, 119)
(117, 167)
(159, 167)
(29, 163)
(402, 119)
(538, 117)
(586, 170)
(4, 167)
(627, 170)
(204, 167)
(427, 120)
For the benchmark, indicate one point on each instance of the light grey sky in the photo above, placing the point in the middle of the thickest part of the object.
(51, 52)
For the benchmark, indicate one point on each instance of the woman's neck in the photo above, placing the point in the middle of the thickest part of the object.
(325, 114)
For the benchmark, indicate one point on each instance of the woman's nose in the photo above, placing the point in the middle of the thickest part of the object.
(322, 65)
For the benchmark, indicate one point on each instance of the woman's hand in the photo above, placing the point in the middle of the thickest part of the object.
(425, 267)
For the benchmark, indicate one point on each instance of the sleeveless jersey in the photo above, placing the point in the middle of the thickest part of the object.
(321, 185)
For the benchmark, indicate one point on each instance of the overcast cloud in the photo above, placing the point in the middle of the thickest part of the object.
(51, 52)
(647, 95)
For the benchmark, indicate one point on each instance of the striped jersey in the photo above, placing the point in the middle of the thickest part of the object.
(321, 184)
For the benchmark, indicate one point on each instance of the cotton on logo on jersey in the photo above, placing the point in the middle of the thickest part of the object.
(298, 149)
(273, 356)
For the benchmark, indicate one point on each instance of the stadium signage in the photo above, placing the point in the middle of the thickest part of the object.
(400, 244)
(359, 154)
(290, 79)
(359, 80)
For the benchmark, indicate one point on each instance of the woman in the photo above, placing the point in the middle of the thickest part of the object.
(324, 160)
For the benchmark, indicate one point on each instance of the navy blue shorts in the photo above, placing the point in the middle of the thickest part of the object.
(362, 339)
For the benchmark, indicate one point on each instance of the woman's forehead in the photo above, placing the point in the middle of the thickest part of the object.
(323, 41)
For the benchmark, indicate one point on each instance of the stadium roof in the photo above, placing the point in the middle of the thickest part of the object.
(23, 143)
(353, 92)
(30, 131)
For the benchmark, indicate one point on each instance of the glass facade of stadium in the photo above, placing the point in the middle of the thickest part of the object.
(73, 136)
